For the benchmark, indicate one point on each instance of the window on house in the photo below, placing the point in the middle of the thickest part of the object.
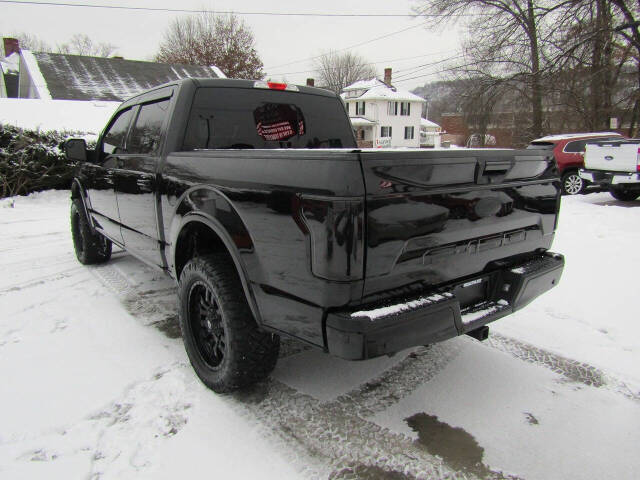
(359, 108)
(392, 108)
(405, 108)
(346, 107)
(408, 133)
(385, 131)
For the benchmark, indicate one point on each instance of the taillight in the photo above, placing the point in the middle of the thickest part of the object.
(638, 161)
(276, 86)
(336, 235)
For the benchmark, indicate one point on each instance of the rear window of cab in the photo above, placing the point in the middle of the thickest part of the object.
(245, 118)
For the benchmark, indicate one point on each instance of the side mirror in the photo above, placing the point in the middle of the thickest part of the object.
(76, 149)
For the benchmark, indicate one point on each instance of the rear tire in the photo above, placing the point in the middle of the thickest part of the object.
(572, 183)
(225, 346)
(624, 195)
(90, 247)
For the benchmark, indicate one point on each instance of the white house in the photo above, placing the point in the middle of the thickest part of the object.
(383, 115)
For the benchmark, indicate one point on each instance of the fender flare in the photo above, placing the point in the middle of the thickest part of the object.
(77, 191)
(217, 227)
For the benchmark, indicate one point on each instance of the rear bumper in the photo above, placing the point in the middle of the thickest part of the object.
(382, 329)
(605, 179)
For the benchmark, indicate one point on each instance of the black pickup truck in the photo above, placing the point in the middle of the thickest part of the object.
(254, 197)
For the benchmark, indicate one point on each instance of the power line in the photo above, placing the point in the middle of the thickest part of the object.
(452, 69)
(186, 10)
(347, 48)
(416, 69)
(391, 60)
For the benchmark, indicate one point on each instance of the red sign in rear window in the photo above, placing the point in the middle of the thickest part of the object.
(278, 121)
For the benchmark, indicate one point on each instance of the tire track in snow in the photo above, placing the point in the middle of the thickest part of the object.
(42, 279)
(573, 370)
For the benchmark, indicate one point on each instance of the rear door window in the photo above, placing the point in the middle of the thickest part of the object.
(146, 133)
(257, 118)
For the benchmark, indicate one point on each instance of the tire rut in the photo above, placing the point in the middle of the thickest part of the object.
(573, 370)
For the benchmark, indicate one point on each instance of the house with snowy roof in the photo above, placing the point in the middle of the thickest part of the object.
(383, 115)
(59, 76)
(77, 87)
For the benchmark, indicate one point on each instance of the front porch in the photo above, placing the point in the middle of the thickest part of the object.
(364, 131)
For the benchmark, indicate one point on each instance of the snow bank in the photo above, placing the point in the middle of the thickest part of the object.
(59, 115)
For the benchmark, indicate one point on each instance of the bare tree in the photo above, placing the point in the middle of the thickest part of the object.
(335, 71)
(628, 28)
(507, 41)
(81, 44)
(31, 42)
(208, 39)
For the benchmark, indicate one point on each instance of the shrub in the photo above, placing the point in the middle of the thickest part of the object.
(32, 160)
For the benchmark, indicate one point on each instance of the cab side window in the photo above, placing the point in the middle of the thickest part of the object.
(113, 141)
(145, 134)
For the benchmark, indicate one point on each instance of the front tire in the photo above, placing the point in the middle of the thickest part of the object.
(572, 183)
(624, 195)
(90, 247)
(225, 346)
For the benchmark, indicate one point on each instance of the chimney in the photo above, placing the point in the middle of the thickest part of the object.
(387, 77)
(310, 82)
(11, 45)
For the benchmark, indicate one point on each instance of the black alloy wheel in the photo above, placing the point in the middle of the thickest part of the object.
(206, 322)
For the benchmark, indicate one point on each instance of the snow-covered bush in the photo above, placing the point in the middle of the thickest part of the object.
(32, 160)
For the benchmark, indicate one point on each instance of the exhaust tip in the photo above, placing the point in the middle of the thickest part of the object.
(481, 333)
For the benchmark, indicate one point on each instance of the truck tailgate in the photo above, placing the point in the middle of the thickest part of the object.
(617, 156)
(434, 216)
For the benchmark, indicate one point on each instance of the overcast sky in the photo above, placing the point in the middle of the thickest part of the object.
(285, 44)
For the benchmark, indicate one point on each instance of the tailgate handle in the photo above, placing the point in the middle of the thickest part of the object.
(492, 172)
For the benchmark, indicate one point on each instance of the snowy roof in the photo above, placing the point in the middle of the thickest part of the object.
(10, 64)
(77, 77)
(361, 122)
(565, 136)
(364, 84)
(378, 90)
(428, 123)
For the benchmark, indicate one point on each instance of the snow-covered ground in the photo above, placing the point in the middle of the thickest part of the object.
(96, 383)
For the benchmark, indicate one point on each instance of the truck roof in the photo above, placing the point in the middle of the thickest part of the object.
(230, 83)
